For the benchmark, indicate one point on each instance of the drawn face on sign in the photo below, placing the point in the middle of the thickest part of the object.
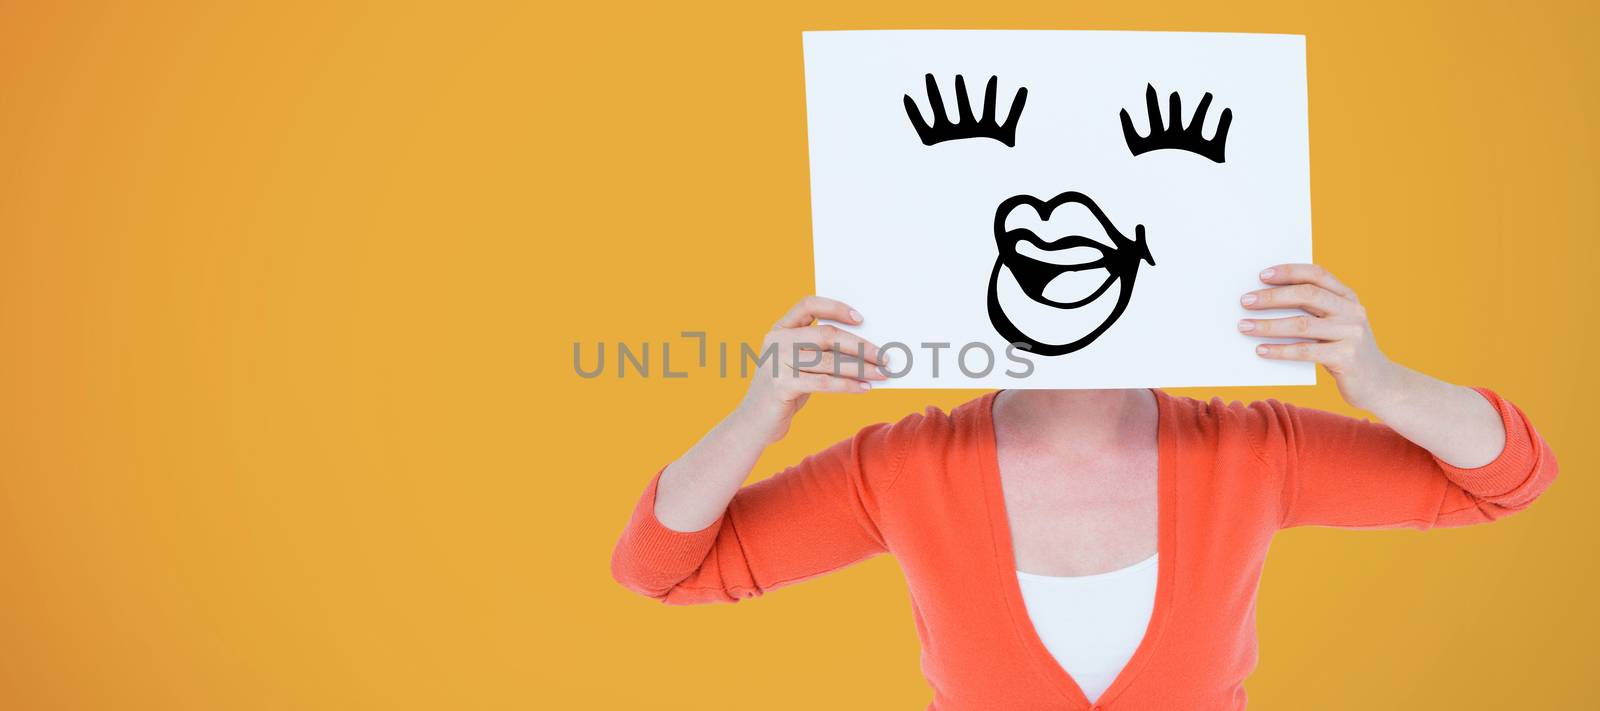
(1097, 199)
(1080, 261)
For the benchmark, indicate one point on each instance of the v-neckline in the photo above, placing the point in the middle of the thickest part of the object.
(1006, 566)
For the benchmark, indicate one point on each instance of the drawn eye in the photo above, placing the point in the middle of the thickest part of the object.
(1174, 135)
(965, 126)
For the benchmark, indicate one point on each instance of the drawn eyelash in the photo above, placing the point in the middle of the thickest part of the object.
(966, 125)
(1174, 134)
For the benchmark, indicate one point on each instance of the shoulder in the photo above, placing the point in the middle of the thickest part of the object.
(1232, 427)
(927, 440)
(1234, 453)
(929, 429)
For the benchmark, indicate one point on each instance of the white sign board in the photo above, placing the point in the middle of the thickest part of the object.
(1059, 190)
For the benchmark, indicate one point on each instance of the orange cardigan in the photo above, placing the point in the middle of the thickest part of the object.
(927, 490)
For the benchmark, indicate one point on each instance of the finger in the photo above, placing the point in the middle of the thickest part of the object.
(1329, 354)
(817, 307)
(818, 383)
(1298, 327)
(1306, 274)
(1314, 299)
(839, 364)
(831, 338)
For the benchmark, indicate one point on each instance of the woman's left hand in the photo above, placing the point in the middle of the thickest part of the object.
(1335, 329)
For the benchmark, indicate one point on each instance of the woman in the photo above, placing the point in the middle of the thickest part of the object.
(1082, 549)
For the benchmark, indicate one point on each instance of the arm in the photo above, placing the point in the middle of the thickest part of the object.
(812, 518)
(1350, 473)
(1445, 455)
(696, 536)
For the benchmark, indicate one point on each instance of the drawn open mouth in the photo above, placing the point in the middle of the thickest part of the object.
(1087, 255)
(1042, 268)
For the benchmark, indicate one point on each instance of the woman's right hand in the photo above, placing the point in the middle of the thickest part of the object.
(800, 357)
(809, 357)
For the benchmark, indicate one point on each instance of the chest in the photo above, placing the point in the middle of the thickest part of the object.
(1077, 510)
(963, 522)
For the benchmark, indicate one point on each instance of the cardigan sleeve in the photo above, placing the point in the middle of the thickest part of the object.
(1343, 472)
(812, 518)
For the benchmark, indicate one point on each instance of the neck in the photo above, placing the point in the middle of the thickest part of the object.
(1095, 415)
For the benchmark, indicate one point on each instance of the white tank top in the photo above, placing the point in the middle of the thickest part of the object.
(1092, 623)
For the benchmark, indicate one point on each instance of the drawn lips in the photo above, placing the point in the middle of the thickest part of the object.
(1035, 263)
(1038, 264)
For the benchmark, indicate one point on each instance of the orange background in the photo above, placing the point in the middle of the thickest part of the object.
(288, 293)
